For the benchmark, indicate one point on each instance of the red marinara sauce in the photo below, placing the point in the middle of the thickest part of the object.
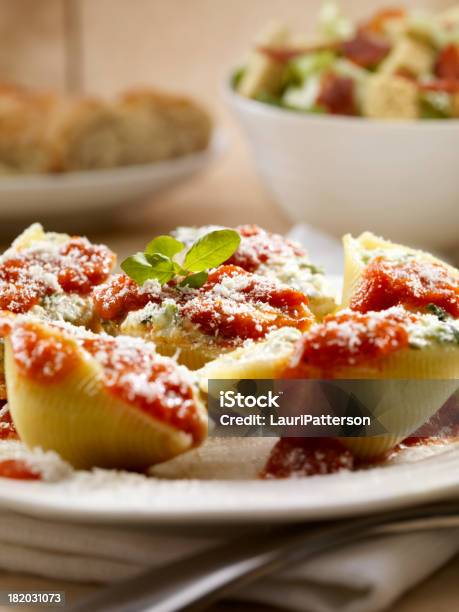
(348, 339)
(41, 355)
(30, 275)
(413, 284)
(260, 247)
(235, 305)
(300, 457)
(18, 469)
(155, 385)
(119, 296)
(7, 428)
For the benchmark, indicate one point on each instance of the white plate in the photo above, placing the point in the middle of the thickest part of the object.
(418, 475)
(77, 192)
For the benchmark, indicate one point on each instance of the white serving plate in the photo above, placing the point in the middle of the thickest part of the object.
(415, 476)
(91, 191)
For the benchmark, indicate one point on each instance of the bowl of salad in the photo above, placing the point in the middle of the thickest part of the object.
(359, 126)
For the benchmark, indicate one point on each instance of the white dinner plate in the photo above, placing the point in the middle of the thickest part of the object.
(91, 191)
(417, 475)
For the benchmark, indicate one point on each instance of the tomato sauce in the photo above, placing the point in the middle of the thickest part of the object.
(18, 469)
(300, 457)
(249, 309)
(30, 275)
(138, 377)
(43, 356)
(347, 339)
(119, 296)
(413, 284)
(259, 247)
(7, 428)
(232, 304)
(131, 371)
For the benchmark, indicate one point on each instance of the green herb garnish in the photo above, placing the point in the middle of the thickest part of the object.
(438, 312)
(164, 260)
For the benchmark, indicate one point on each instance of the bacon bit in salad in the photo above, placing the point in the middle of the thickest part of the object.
(442, 85)
(7, 428)
(447, 65)
(18, 469)
(300, 457)
(41, 355)
(259, 247)
(337, 95)
(378, 21)
(283, 55)
(413, 284)
(348, 339)
(153, 384)
(365, 49)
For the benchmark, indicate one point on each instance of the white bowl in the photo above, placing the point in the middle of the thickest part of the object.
(398, 179)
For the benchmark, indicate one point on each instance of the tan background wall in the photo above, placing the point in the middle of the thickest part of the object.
(179, 44)
(187, 44)
(183, 45)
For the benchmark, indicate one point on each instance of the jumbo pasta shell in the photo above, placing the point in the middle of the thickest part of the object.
(355, 250)
(87, 425)
(261, 360)
(429, 378)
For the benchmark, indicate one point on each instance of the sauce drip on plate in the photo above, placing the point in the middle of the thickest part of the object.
(7, 428)
(18, 469)
(300, 457)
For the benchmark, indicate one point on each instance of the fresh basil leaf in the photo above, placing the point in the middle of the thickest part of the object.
(179, 271)
(211, 250)
(166, 245)
(161, 267)
(195, 280)
(137, 267)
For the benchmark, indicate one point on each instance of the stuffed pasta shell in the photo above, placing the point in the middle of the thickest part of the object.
(199, 324)
(380, 274)
(98, 400)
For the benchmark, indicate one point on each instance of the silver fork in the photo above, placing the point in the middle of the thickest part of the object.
(196, 582)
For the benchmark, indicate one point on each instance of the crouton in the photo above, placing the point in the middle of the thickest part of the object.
(409, 57)
(390, 97)
(263, 74)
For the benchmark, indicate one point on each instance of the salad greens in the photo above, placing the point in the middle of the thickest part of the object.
(397, 64)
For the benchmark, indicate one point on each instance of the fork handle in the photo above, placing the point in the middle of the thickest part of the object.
(195, 582)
